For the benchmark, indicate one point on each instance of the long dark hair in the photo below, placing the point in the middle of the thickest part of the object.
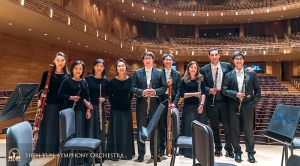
(65, 69)
(78, 62)
(187, 76)
(103, 74)
(121, 60)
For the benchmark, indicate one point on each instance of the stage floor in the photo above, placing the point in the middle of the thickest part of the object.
(265, 155)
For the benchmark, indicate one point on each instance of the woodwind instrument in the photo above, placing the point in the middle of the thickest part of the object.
(215, 85)
(76, 101)
(242, 91)
(148, 100)
(199, 90)
(100, 108)
(169, 122)
(40, 112)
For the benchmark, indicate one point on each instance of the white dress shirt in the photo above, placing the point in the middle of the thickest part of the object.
(220, 74)
(168, 75)
(148, 75)
(240, 78)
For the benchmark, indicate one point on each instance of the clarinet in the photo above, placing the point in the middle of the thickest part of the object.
(148, 99)
(40, 111)
(100, 109)
(242, 91)
(76, 101)
(199, 89)
(169, 123)
(215, 85)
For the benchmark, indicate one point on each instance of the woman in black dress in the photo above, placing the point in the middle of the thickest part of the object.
(192, 86)
(120, 129)
(94, 81)
(48, 137)
(74, 91)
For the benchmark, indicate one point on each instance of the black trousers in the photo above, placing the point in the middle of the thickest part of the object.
(245, 121)
(162, 128)
(143, 120)
(215, 113)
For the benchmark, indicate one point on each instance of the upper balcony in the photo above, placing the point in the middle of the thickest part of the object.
(268, 10)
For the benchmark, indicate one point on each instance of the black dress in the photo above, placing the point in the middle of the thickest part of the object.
(48, 137)
(190, 112)
(68, 88)
(120, 129)
(93, 124)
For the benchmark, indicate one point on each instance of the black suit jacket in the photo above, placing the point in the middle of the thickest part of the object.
(230, 86)
(175, 85)
(206, 71)
(139, 82)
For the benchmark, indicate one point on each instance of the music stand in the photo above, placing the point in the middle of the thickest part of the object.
(145, 132)
(19, 101)
(283, 126)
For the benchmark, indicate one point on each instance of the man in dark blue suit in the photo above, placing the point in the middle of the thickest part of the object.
(172, 77)
(216, 103)
(148, 98)
(243, 89)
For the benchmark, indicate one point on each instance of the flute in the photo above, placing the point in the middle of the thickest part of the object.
(242, 91)
(169, 122)
(215, 85)
(100, 109)
(76, 101)
(148, 99)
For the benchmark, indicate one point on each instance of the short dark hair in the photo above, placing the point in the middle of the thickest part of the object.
(237, 53)
(148, 54)
(213, 49)
(95, 63)
(166, 55)
(78, 62)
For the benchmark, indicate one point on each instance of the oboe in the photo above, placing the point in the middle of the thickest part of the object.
(215, 85)
(242, 91)
(76, 101)
(169, 122)
(148, 99)
(40, 111)
(100, 108)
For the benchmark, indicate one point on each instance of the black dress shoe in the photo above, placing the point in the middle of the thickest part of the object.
(238, 158)
(251, 158)
(141, 158)
(229, 154)
(218, 153)
(158, 158)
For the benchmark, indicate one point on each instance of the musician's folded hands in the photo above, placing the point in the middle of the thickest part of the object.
(149, 92)
(240, 95)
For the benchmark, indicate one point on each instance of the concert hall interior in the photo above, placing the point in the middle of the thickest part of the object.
(267, 32)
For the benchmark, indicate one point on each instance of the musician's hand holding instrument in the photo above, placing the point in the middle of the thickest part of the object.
(88, 114)
(74, 98)
(101, 99)
(88, 104)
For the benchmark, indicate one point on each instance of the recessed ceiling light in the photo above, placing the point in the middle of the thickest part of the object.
(86, 46)
(143, 16)
(78, 43)
(93, 48)
(45, 34)
(69, 41)
(29, 29)
(278, 18)
(281, 15)
(154, 18)
(133, 13)
(58, 38)
(10, 23)
(104, 51)
(249, 19)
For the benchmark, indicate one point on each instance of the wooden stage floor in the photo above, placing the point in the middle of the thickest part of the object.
(265, 155)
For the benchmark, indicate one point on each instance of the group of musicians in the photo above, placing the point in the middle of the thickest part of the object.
(216, 91)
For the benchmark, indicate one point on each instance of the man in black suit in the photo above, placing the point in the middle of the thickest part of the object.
(243, 89)
(145, 110)
(172, 77)
(216, 102)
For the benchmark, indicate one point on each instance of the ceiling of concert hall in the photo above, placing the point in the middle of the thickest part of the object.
(31, 25)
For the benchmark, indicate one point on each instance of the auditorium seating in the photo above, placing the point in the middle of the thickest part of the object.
(224, 40)
(295, 37)
(295, 81)
(270, 83)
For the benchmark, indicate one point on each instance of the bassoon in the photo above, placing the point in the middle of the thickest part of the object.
(169, 123)
(41, 107)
